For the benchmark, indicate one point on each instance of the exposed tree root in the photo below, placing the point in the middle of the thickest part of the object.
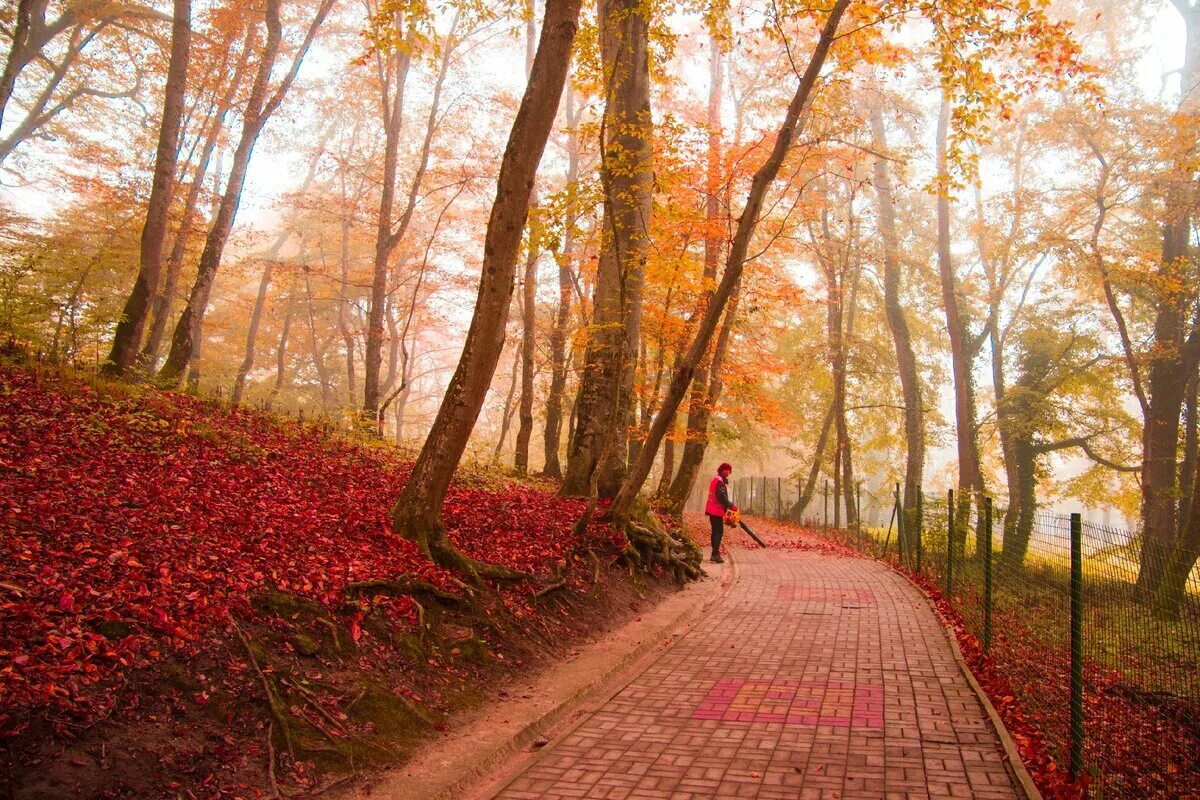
(651, 544)
(404, 586)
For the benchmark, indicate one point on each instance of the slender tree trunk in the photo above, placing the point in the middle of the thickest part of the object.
(668, 460)
(318, 350)
(166, 293)
(528, 332)
(506, 417)
(417, 514)
(528, 315)
(392, 107)
(558, 337)
(132, 324)
(605, 400)
(1191, 444)
(264, 284)
(695, 440)
(281, 349)
(814, 471)
(257, 111)
(343, 303)
(764, 176)
(906, 360)
(962, 353)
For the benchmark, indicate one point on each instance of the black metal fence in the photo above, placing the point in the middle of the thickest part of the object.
(1104, 670)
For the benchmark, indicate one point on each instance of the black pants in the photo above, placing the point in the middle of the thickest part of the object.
(718, 530)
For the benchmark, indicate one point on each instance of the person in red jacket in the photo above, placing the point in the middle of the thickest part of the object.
(718, 503)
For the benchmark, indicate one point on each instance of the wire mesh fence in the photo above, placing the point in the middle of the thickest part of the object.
(1105, 669)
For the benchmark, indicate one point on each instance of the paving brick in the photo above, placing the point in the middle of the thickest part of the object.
(816, 676)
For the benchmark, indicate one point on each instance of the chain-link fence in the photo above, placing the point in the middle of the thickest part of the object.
(1061, 607)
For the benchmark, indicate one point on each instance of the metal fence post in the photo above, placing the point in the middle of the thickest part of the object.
(950, 546)
(858, 510)
(987, 574)
(1076, 646)
(901, 539)
(918, 526)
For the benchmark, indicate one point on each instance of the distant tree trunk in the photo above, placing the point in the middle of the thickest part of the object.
(962, 351)
(558, 336)
(528, 332)
(132, 324)
(695, 441)
(735, 262)
(264, 284)
(668, 460)
(256, 112)
(318, 350)
(284, 336)
(506, 417)
(814, 471)
(529, 307)
(417, 514)
(605, 401)
(343, 302)
(393, 78)
(906, 360)
(1191, 444)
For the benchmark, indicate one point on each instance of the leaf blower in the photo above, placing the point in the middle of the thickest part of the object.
(733, 518)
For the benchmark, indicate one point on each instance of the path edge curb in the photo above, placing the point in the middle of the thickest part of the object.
(1015, 764)
(473, 777)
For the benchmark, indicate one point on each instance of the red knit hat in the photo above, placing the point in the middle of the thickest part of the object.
(724, 467)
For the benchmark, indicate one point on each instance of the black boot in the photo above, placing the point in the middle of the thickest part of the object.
(716, 558)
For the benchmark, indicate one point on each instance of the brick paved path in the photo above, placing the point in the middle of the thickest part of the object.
(816, 676)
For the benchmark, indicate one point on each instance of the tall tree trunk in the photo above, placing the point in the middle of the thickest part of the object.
(343, 303)
(962, 350)
(257, 111)
(605, 401)
(764, 176)
(695, 440)
(148, 359)
(393, 78)
(558, 337)
(132, 324)
(528, 332)
(1176, 344)
(906, 359)
(417, 514)
(529, 306)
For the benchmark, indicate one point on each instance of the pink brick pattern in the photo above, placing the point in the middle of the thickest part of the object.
(816, 677)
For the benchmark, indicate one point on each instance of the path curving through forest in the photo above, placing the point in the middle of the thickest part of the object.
(818, 674)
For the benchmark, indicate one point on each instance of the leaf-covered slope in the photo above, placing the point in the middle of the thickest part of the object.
(136, 523)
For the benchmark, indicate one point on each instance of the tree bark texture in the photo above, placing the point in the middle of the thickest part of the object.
(132, 325)
(605, 402)
(418, 511)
